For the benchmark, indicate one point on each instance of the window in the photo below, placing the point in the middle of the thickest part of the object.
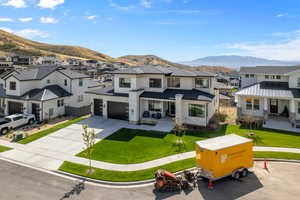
(196, 110)
(154, 83)
(247, 75)
(12, 85)
(66, 82)
(266, 76)
(251, 75)
(80, 83)
(256, 104)
(201, 83)
(48, 81)
(298, 107)
(298, 82)
(17, 118)
(80, 98)
(60, 103)
(249, 104)
(278, 77)
(174, 82)
(124, 83)
(154, 106)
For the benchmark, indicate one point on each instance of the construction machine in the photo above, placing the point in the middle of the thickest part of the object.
(167, 182)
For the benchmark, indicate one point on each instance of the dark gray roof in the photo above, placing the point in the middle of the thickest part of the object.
(220, 85)
(109, 91)
(187, 95)
(42, 94)
(72, 74)
(270, 89)
(268, 69)
(165, 70)
(92, 84)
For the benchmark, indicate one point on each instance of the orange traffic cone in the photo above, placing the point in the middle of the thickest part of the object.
(210, 185)
(265, 165)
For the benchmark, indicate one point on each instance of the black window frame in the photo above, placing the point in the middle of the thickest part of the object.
(151, 106)
(123, 84)
(174, 82)
(154, 84)
(80, 82)
(197, 85)
(65, 82)
(11, 83)
(60, 103)
(194, 109)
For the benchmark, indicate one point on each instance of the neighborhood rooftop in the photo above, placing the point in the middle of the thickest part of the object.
(157, 69)
(268, 69)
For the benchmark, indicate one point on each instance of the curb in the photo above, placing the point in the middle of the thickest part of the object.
(276, 160)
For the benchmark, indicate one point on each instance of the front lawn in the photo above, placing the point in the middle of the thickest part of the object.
(53, 129)
(3, 148)
(128, 146)
(120, 176)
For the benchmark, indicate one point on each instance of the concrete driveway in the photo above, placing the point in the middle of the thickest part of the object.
(50, 151)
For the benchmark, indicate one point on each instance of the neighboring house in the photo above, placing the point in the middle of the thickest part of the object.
(139, 93)
(270, 92)
(47, 60)
(46, 91)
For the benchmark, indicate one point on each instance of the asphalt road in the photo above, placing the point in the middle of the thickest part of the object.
(19, 182)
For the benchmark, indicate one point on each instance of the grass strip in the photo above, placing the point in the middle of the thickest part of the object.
(3, 148)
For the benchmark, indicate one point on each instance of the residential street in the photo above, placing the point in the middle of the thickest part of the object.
(18, 182)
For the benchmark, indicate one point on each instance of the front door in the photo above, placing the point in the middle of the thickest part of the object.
(274, 106)
(171, 109)
(36, 111)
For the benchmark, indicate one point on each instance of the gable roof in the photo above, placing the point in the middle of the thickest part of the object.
(72, 74)
(268, 69)
(164, 70)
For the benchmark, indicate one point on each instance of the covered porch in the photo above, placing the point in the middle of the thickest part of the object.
(280, 124)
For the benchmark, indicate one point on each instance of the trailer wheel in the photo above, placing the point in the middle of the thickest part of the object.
(245, 172)
(236, 175)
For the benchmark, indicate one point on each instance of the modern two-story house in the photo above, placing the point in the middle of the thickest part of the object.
(46, 91)
(270, 93)
(140, 93)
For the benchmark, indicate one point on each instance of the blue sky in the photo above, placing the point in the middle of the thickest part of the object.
(177, 30)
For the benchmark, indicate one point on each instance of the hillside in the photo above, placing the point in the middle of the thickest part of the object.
(155, 60)
(238, 61)
(13, 44)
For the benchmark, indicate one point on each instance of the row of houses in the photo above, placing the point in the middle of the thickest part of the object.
(136, 94)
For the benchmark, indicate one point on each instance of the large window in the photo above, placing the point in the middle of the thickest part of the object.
(174, 82)
(155, 106)
(256, 104)
(124, 83)
(12, 85)
(201, 83)
(196, 110)
(80, 83)
(249, 104)
(298, 82)
(252, 104)
(155, 83)
(298, 107)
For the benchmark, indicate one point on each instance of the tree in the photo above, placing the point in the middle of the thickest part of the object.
(180, 131)
(89, 138)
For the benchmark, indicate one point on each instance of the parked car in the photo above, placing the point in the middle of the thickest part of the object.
(14, 121)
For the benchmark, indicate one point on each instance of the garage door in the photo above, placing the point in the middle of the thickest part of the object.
(15, 108)
(117, 110)
(98, 107)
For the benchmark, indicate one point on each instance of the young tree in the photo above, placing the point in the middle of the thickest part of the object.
(89, 138)
(180, 131)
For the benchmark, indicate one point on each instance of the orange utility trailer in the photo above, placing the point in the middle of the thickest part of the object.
(229, 155)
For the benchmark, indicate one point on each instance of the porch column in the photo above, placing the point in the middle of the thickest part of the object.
(293, 112)
(134, 106)
(5, 107)
(265, 110)
(179, 110)
(239, 107)
(104, 109)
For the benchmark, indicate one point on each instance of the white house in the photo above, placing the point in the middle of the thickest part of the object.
(270, 93)
(46, 91)
(141, 93)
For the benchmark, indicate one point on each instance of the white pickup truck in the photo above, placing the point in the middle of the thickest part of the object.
(14, 121)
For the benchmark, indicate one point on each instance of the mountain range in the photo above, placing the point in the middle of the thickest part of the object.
(234, 61)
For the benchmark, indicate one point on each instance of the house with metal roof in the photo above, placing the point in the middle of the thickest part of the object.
(45, 91)
(153, 92)
(270, 93)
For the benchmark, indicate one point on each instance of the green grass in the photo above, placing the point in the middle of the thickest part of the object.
(3, 148)
(53, 129)
(128, 146)
(121, 176)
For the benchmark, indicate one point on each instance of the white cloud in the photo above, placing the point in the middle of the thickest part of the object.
(5, 19)
(27, 33)
(48, 20)
(50, 3)
(146, 3)
(15, 3)
(119, 7)
(282, 50)
(281, 15)
(25, 19)
(91, 17)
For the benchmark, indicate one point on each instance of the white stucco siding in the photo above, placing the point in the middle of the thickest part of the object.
(293, 80)
(16, 92)
(247, 81)
(297, 107)
(262, 77)
(143, 82)
(258, 113)
(77, 91)
(56, 78)
(52, 104)
(198, 121)
(133, 83)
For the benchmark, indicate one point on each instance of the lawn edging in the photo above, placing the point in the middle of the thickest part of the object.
(46, 132)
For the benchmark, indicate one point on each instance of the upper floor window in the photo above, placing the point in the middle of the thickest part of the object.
(266, 76)
(80, 83)
(155, 83)
(278, 77)
(124, 83)
(66, 82)
(201, 83)
(60, 103)
(48, 81)
(174, 82)
(298, 108)
(196, 110)
(249, 75)
(12, 85)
